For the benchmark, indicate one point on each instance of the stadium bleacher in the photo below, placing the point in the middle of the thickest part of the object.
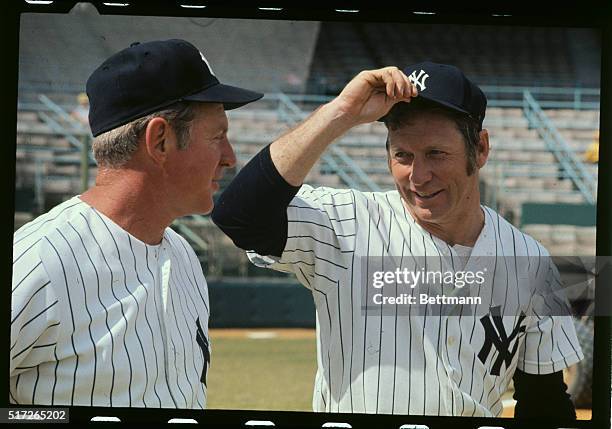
(522, 168)
(499, 56)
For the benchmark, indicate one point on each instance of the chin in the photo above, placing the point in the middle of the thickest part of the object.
(424, 214)
(430, 215)
(204, 208)
(208, 209)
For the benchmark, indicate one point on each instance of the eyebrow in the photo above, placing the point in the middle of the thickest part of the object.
(442, 145)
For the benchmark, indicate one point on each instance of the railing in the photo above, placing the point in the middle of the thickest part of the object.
(499, 171)
(58, 127)
(548, 97)
(570, 166)
(504, 96)
(583, 179)
(76, 129)
(292, 109)
(335, 158)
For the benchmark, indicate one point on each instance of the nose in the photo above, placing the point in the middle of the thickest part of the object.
(421, 172)
(228, 157)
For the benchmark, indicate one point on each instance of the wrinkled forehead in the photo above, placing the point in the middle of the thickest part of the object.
(211, 109)
(212, 113)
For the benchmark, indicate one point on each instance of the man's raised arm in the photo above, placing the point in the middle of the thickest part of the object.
(366, 98)
(252, 209)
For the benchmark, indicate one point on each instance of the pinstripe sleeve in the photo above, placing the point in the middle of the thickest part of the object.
(35, 313)
(551, 343)
(320, 234)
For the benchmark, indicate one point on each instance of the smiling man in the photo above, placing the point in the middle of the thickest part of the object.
(110, 305)
(437, 178)
(404, 355)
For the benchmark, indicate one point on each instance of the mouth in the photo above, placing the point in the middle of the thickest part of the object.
(426, 195)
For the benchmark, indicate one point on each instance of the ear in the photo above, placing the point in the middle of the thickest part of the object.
(482, 150)
(158, 140)
(387, 148)
(389, 163)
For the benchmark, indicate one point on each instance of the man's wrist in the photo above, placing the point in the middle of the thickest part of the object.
(339, 116)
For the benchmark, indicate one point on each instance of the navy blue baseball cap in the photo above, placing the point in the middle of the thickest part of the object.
(147, 77)
(447, 85)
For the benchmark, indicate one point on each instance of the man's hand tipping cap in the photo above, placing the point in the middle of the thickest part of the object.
(372, 93)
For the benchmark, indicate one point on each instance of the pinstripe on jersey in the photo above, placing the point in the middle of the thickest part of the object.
(100, 318)
(404, 362)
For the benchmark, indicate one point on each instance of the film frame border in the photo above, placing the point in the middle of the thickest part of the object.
(591, 14)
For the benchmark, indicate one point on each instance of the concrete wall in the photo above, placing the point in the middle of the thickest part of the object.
(263, 55)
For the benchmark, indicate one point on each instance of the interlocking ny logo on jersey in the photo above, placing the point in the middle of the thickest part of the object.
(419, 80)
(203, 343)
(495, 335)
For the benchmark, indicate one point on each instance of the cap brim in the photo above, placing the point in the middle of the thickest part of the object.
(435, 101)
(232, 97)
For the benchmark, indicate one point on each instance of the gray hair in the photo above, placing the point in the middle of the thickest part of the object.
(401, 113)
(115, 147)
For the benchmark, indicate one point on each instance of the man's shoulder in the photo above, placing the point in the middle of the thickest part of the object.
(502, 224)
(178, 242)
(310, 191)
(57, 218)
(349, 194)
(185, 254)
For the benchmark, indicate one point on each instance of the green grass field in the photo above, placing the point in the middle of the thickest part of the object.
(261, 374)
(271, 373)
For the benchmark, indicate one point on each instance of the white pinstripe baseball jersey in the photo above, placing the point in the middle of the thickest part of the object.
(100, 318)
(398, 360)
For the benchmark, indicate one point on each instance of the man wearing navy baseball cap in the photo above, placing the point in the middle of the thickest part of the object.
(110, 305)
(389, 342)
(148, 77)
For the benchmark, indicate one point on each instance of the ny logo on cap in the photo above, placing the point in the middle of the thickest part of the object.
(419, 80)
(207, 64)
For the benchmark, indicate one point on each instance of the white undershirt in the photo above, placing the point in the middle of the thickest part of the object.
(463, 252)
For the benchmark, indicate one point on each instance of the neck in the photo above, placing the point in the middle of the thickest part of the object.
(132, 201)
(463, 228)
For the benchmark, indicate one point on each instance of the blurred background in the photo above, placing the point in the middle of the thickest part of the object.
(542, 86)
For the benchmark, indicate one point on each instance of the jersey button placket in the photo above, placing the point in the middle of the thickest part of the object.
(164, 263)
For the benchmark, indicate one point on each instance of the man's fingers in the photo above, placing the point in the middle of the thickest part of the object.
(403, 84)
(411, 90)
(389, 83)
(372, 93)
(396, 75)
(408, 89)
(397, 84)
(389, 76)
